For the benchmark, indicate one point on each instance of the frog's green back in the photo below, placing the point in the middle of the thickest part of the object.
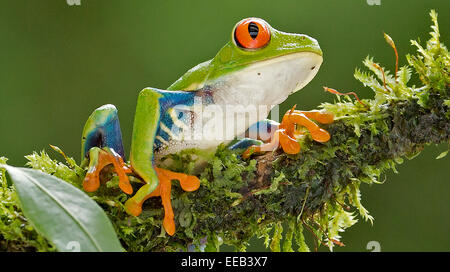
(192, 79)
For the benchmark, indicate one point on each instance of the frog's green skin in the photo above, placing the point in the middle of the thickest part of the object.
(235, 76)
(232, 58)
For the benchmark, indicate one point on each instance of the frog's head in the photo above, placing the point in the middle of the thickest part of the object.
(261, 65)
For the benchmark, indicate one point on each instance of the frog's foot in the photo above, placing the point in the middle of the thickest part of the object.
(99, 158)
(294, 118)
(280, 137)
(188, 183)
(286, 135)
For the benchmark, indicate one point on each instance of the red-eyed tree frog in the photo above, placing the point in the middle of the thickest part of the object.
(259, 65)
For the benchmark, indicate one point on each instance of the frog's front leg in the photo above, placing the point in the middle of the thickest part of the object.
(285, 134)
(158, 181)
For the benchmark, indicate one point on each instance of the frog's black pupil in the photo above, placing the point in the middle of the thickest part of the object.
(253, 30)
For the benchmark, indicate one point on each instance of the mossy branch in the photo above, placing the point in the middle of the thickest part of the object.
(314, 190)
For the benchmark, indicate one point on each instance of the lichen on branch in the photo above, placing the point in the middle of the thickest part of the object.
(316, 190)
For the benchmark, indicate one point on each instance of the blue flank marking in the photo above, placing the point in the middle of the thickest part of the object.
(167, 102)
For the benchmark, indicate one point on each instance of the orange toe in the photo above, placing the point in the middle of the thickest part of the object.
(91, 182)
(289, 145)
(325, 118)
(320, 135)
(190, 183)
(169, 226)
(125, 186)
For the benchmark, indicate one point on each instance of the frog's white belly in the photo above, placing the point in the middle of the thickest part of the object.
(243, 98)
(217, 124)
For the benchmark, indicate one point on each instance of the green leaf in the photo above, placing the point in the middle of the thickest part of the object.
(65, 215)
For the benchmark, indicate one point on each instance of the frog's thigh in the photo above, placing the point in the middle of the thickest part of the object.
(102, 129)
(144, 131)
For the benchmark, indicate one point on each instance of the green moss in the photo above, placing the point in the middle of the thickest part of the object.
(16, 232)
(316, 190)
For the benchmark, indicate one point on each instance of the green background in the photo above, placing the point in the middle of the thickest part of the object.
(59, 62)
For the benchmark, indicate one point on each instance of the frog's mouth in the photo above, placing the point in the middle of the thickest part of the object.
(271, 81)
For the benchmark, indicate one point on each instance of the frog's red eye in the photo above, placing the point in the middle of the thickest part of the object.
(252, 33)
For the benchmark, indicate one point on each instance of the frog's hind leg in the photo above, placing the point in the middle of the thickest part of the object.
(102, 144)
